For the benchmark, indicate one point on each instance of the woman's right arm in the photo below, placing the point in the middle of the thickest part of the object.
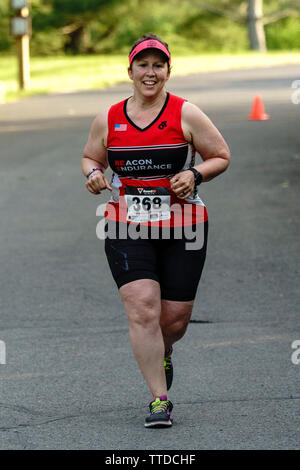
(94, 155)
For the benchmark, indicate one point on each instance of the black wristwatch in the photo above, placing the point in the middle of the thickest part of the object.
(197, 175)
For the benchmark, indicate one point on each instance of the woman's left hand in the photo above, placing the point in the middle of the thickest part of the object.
(183, 184)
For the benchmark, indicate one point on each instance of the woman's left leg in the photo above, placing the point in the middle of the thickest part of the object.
(181, 269)
(174, 319)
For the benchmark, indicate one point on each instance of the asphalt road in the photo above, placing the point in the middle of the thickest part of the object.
(70, 380)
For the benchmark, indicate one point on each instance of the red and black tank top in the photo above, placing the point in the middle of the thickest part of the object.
(143, 162)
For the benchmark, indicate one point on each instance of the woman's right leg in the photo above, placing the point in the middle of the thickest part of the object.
(142, 301)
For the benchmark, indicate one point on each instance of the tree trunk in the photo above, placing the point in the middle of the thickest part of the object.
(77, 40)
(255, 25)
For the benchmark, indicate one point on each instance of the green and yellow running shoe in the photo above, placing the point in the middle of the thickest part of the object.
(168, 368)
(160, 413)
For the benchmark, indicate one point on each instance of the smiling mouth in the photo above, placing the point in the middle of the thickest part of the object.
(149, 83)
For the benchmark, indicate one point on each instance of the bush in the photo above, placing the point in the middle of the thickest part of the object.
(46, 43)
(284, 34)
(214, 33)
(6, 40)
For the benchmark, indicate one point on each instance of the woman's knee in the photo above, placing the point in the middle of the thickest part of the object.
(175, 318)
(175, 329)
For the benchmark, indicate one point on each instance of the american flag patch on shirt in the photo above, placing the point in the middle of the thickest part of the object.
(120, 127)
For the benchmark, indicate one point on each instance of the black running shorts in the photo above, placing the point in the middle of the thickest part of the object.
(171, 262)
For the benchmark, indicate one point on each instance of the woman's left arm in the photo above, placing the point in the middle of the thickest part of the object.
(209, 143)
(207, 140)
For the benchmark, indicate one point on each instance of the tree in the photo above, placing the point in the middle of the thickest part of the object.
(251, 13)
(72, 18)
(256, 20)
(255, 25)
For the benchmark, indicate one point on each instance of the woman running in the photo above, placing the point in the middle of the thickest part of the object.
(156, 222)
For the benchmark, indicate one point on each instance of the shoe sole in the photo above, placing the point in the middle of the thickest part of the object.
(161, 424)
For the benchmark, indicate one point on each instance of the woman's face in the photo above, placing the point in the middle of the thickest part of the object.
(149, 73)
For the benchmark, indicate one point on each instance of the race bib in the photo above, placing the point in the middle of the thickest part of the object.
(147, 204)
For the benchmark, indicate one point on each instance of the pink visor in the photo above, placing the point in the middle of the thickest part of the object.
(149, 44)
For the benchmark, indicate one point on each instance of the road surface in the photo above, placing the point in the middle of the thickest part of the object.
(70, 380)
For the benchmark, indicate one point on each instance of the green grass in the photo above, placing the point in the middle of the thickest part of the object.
(63, 74)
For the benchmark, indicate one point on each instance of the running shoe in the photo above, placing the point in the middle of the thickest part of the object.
(160, 413)
(168, 368)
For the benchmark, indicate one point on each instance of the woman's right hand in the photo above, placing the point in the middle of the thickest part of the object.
(97, 182)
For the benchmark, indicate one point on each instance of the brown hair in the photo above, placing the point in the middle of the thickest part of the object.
(150, 36)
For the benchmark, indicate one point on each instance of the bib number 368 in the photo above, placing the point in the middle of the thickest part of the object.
(147, 204)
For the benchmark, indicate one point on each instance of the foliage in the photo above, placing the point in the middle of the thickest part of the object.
(285, 34)
(226, 35)
(111, 26)
(6, 41)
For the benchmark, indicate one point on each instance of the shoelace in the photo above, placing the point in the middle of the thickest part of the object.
(167, 362)
(158, 406)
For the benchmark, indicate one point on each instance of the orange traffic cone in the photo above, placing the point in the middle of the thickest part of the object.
(258, 110)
